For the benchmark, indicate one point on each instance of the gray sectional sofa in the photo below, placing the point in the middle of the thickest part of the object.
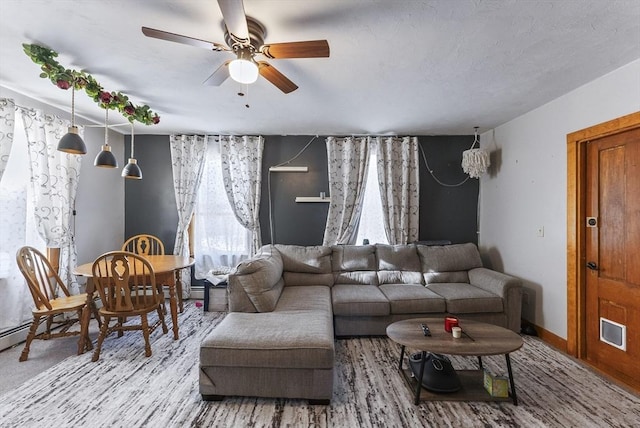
(288, 303)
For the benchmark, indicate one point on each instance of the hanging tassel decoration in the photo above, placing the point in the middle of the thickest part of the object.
(475, 162)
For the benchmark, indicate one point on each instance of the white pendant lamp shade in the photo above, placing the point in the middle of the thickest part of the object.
(475, 162)
(243, 69)
(71, 142)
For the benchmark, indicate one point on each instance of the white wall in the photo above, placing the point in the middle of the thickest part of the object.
(525, 190)
(100, 199)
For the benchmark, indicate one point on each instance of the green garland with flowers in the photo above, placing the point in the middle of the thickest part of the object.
(63, 78)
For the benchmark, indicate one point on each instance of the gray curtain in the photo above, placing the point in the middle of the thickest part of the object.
(399, 180)
(242, 175)
(348, 160)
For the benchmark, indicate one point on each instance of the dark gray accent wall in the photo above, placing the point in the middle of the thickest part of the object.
(150, 204)
(448, 213)
(294, 223)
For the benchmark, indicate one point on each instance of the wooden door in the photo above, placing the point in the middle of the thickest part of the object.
(612, 238)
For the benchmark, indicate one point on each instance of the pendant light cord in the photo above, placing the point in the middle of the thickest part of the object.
(106, 126)
(132, 137)
(73, 104)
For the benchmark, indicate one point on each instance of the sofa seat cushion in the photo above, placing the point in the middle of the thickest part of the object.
(359, 299)
(464, 298)
(269, 339)
(307, 297)
(412, 299)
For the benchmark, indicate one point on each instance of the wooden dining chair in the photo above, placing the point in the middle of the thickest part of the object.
(146, 245)
(127, 287)
(51, 298)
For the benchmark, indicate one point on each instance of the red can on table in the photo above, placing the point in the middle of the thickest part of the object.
(450, 322)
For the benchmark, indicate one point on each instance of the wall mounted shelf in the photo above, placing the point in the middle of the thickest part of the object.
(312, 199)
(289, 169)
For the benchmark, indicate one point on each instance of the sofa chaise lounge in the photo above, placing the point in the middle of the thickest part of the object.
(288, 303)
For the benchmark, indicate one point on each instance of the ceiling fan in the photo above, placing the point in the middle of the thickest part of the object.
(244, 36)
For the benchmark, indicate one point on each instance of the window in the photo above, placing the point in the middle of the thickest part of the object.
(371, 226)
(220, 240)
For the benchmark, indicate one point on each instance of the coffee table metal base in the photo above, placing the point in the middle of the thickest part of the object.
(472, 384)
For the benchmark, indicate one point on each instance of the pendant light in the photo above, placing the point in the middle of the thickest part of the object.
(105, 158)
(71, 142)
(132, 170)
(475, 162)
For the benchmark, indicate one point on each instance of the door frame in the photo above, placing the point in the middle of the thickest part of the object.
(576, 233)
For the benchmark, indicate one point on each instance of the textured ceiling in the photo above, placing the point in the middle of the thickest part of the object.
(396, 67)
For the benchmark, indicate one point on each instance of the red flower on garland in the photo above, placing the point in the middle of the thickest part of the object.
(105, 97)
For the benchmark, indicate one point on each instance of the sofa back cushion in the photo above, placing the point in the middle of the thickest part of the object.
(256, 283)
(354, 264)
(306, 265)
(398, 264)
(448, 263)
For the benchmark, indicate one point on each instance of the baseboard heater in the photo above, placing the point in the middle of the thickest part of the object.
(14, 336)
(17, 335)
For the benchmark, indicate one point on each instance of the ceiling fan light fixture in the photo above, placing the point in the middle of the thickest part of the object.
(243, 69)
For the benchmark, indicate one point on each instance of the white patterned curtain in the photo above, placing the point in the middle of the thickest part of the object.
(348, 160)
(7, 120)
(399, 180)
(54, 179)
(242, 175)
(221, 242)
(187, 163)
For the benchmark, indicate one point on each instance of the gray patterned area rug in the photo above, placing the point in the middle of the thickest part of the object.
(125, 389)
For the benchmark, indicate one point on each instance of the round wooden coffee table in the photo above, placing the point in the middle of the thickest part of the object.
(478, 339)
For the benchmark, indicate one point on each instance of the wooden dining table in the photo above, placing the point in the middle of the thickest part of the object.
(167, 272)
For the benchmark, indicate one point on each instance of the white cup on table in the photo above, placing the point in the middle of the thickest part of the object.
(457, 332)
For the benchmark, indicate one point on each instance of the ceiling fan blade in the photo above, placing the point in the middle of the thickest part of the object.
(308, 49)
(235, 20)
(219, 76)
(270, 73)
(185, 40)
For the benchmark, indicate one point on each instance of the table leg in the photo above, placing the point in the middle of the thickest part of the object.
(511, 382)
(174, 309)
(401, 357)
(178, 274)
(480, 362)
(84, 342)
(419, 387)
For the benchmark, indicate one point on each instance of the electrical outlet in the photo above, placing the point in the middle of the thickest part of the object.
(540, 232)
